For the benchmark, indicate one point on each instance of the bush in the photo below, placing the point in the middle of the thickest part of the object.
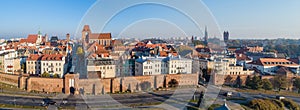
(290, 104)
(262, 104)
(56, 76)
(279, 104)
(46, 75)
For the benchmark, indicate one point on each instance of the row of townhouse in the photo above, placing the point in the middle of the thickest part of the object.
(48, 63)
(10, 62)
(163, 65)
(225, 66)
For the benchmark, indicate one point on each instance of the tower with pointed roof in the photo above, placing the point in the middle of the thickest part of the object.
(205, 36)
(226, 36)
(39, 38)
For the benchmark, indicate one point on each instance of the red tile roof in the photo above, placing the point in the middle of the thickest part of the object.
(100, 36)
(274, 62)
(23, 40)
(34, 57)
(32, 38)
(57, 57)
(242, 57)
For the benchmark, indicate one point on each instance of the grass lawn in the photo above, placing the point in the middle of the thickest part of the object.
(283, 93)
(19, 106)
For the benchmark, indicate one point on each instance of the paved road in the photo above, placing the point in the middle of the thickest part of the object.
(175, 99)
(169, 99)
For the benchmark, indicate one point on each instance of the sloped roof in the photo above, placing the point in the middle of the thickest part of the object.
(57, 57)
(86, 28)
(273, 62)
(34, 57)
(32, 38)
(242, 57)
(100, 36)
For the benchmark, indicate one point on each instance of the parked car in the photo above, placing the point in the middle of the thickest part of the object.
(280, 97)
(228, 94)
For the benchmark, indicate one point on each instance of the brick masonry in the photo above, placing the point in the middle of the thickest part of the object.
(96, 86)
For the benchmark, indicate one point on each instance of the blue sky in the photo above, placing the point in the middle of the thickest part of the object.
(243, 18)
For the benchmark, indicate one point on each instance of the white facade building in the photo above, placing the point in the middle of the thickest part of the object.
(53, 64)
(162, 65)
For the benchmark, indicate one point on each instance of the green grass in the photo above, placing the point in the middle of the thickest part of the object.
(271, 92)
(19, 106)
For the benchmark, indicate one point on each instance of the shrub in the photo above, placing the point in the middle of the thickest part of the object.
(56, 76)
(279, 104)
(46, 75)
(290, 104)
(262, 104)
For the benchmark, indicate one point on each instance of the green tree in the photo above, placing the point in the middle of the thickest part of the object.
(263, 104)
(173, 83)
(79, 50)
(297, 84)
(56, 76)
(290, 104)
(267, 85)
(239, 82)
(46, 75)
(256, 83)
(280, 82)
(248, 82)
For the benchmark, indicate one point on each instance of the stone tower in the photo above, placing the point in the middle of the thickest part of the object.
(86, 31)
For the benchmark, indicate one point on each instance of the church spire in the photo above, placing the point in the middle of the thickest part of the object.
(39, 32)
(206, 36)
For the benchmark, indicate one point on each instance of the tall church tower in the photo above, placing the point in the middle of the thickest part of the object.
(39, 39)
(226, 36)
(206, 36)
(86, 31)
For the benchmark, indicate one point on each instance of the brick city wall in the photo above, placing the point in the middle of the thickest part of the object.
(218, 79)
(94, 86)
(9, 79)
(97, 86)
(45, 84)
